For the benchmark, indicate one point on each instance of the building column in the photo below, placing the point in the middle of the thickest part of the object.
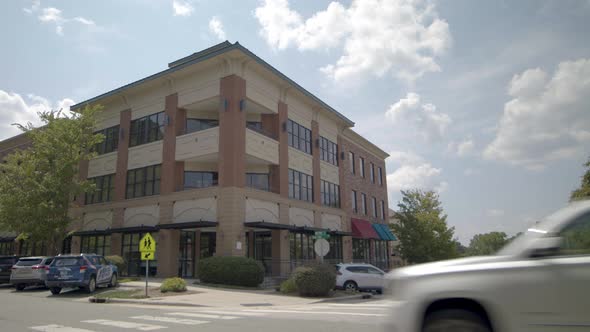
(76, 244)
(315, 148)
(347, 249)
(168, 180)
(345, 201)
(280, 253)
(232, 168)
(167, 252)
(122, 156)
(197, 252)
(117, 238)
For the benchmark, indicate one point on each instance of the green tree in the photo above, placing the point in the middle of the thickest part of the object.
(39, 184)
(422, 228)
(486, 244)
(584, 190)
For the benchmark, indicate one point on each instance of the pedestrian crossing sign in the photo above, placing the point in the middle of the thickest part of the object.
(147, 244)
(147, 256)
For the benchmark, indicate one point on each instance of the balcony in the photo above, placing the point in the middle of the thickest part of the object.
(262, 147)
(197, 144)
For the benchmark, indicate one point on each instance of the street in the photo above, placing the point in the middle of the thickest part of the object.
(38, 310)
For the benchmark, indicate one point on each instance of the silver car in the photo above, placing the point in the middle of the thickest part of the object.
(362, 277)
(29, 271)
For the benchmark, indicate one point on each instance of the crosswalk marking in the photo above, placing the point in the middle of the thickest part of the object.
(361, 305)
(183, 321)
(316, 312)
(196, 315)
(235, 313)
(125, 325)
(310, 308)
(57, 328)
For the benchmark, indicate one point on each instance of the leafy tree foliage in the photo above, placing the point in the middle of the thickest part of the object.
(584, 190)
(487, 244)
(39, 184)
(422, 228)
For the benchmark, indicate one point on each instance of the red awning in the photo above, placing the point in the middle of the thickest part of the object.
(363, 229)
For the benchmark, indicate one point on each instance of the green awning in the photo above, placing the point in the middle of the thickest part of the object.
(384, 232)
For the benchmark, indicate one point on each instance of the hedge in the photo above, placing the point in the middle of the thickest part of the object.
(288, 286)
(117, 261)
(173, 285)
(315, 280)
(237, 271)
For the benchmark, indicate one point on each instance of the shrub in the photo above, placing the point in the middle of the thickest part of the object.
(315, 280)
(288, 286)
(173, 285)
(237, 271)
(117, 261)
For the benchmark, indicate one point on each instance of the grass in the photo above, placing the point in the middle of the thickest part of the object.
(122, 294)
(226, 286)
(124, 280)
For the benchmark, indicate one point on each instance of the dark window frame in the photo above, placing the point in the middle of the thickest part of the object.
(144, 186)
(380, 175)
(362, 166)
(364, 204)
(328, 151)
(207, 179)
(330, 194)
(382, 210)
(251, 177)
(352, 162)
(299, 136)
(147, 129)
(372, 172)
(192, 125)
(105, 184)
(354, 202)
(300, 186)
(374, 203)
(110, 142)
(96, 244)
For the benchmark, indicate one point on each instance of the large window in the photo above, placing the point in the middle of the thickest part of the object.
(362, 166)
(380, 176)
(7, 248)
(374, 204)
(105, 188)
(194, 180)
(299, 136)
(193, 125)
(352, 162)
(301, 245)
(258, 181)
(143, 181)
(381, 259)
(328, 151)
(132, 256)
(147, 129)
(110, 142)
(353, 201)
(364, 204)
(360, 250)
(372, 172)
(300, 186)
(383, 210)
(96, 244)
(335, 253)
(330, 194)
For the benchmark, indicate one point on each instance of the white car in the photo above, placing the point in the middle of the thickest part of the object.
(364, 277)
(29, 271)
(539, 282)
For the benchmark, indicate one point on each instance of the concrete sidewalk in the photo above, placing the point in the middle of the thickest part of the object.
(220, 297)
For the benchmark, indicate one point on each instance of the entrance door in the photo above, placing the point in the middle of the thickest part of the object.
(263, 249)
(186, 255)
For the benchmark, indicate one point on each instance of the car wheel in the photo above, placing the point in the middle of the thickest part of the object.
(55, 290)
(114, 281)
(351, 286)
(455, 320)
(20, 287)
(91, 285)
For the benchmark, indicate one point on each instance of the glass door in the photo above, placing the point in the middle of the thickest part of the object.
(186, 256)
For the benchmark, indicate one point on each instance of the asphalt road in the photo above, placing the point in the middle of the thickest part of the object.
(38, 310)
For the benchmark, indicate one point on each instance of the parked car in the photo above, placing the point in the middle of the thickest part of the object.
(362, 277)
(538, 282)
(6, 263)
(29, 271)
(84, 271)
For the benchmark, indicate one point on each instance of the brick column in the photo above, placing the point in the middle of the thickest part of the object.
(122, 156)
(283, 117)
(345, 200)
(167, 252)
(315, 136)
(347, 249)
(76, 244)
(168, 180)
(280, 252)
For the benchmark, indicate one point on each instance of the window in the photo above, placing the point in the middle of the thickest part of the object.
(372, 172)
(301, 246)
(96, 244)
(364, 204)
(105, 189)
(143, 181)
(330, 194)
(576, 237)
(351, 160)
(383, 210)
(335, 253)
(193, 180)
(380, 176)
(258, 181)
(374, 204)
(193, 125)
(362, 166)
(254, 125)
(353, 198)
(147, 129)
(7, 248)
(110, 142)
(328, 151)
(360, 250)
(299, 137)
(300, 186)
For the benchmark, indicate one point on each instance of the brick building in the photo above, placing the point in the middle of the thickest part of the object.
(221, 154)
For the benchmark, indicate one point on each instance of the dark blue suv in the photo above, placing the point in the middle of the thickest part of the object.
(85, 271)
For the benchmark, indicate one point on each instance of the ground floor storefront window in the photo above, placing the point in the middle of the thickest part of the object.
(96, 244)
(361, 250)
(7, 248)
(335, 253)
(66, 246)
(301, 248)
(131, 254)
(186, 254)
(32, 248)
(207, 244)
(263, 250)
(381, 254)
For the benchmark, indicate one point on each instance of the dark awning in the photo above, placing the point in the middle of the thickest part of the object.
(363, 229)
(269, 225)
(187, 225)
(308, 229)
(135, 229)
(341, 233)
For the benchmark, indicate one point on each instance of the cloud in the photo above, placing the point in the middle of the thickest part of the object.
(471, 171)
(462, 148)
(412, 172)
(84, 21)
(547, 119)
(430, 124)
(495, 213)
(35, 4)
(400, 38)
(16, 109)
(216, 28)
(52, 15)
(182, 8)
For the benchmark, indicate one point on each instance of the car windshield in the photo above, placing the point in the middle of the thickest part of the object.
(29, 261)
(67, 261)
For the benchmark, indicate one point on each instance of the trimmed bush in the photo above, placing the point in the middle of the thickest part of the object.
(288, 286)
(315, 280)
(173, 285)
(117, 261)
(237, 271)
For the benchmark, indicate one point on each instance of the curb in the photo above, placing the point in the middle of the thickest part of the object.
(345, 298)
(144, 302)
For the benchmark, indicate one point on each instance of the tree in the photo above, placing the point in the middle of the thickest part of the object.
(422, 228)
(584, 190)
(39, 184)
(487, 244)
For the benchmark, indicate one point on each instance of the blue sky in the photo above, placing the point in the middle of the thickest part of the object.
(483, 101)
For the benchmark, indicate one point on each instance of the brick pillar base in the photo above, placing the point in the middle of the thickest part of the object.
(230, 234)
(280, 253)
(116, 244)
(167, 252)
(347, 249)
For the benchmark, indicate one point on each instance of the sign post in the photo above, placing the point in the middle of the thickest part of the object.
(147, 249)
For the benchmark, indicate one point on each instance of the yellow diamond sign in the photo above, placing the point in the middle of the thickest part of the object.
(147, 244)
(147, 256)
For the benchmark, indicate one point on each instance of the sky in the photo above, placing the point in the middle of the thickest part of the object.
(482, 101)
